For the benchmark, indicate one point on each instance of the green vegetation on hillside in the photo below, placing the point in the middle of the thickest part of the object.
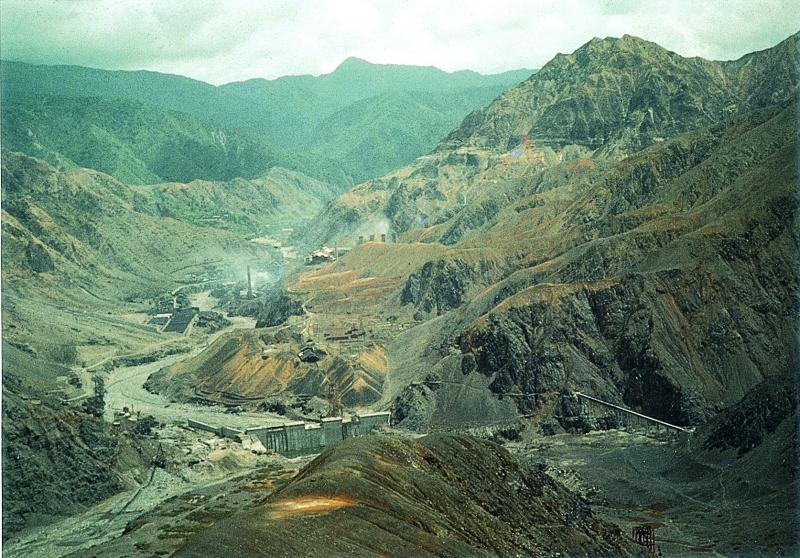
(132, 141)
(355, 123)
(375, 135)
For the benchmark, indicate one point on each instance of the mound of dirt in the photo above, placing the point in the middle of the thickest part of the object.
(756, 416)
(435, 496)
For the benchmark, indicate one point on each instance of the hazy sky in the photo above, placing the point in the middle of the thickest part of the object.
(226, 40)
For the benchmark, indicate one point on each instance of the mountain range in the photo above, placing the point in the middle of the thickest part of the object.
(121, 122)
(621, 223)
(608, 225)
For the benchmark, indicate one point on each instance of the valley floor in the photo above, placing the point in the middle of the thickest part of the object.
(696, 506)
(196, 460)
(124, 388)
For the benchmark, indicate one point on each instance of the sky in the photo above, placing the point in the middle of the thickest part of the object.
(220, 41)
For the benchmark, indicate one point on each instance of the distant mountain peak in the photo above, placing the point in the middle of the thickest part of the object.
(352, 62)
(629, 43)
(623, 94)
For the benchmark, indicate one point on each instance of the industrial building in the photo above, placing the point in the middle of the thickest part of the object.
(323, 255)
(181, 320)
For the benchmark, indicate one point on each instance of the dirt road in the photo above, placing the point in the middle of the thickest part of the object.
(107, 520)
(124, 389)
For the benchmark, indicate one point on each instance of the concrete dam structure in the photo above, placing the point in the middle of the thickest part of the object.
(294, 438)
(302, 437)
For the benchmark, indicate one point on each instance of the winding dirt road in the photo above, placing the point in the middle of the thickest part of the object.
(107, 519)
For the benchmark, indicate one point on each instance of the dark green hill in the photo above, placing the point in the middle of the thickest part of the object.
(370, 117)
(375, 135)
(164, 90)
(135, 142)
(285, 119)
(303, 99)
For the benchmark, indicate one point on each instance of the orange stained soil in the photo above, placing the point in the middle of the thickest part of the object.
(581, 165)
(306, 505)
(374, 360)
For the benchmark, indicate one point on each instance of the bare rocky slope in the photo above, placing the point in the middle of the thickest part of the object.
(78, 241)
(608, 99)
(83, 240)
(259, 366)
(621, 95)
(83, 255)
(621, 223)
(657, 274)
(58, 460)
(435, 496)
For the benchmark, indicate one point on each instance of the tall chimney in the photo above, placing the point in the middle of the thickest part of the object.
(249, 284)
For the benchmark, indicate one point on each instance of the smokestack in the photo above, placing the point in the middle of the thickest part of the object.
(383, 238)
(249, 284)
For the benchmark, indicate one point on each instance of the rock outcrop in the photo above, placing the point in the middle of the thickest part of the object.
(635, 208)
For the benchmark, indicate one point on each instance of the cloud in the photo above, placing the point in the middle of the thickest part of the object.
(221, 41)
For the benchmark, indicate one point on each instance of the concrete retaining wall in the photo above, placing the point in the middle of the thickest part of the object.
(226, 432)
(332, 429)
(222, 431)
(368, 422)
(299, 437)
(197, 425)
(302, 437)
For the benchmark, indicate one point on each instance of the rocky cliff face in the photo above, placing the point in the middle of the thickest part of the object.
(670, 311)
(56, 460)
(442, 285)
(755, 418)
(636, 209)
(625, 94)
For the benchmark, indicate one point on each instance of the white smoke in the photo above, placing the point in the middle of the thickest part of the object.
(377, 225)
